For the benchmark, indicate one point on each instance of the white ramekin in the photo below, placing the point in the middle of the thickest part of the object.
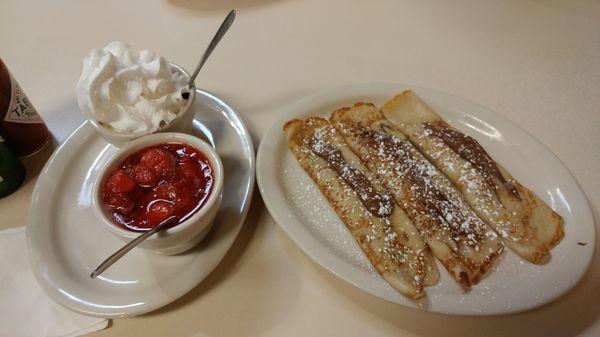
(183, 122)
(183, 236)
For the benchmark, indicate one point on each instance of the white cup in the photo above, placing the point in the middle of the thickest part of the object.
(182, 123)
(178, 238)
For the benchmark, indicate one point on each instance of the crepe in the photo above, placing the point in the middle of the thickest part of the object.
(456, 236)
(381, 229)
(526, 224)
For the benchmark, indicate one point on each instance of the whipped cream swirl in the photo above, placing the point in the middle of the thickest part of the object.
(128, 91)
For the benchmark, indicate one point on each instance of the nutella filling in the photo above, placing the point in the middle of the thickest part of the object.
(470, 150)
(429, 199)
(379, 206)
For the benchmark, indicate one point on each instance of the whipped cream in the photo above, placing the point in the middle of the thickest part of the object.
(128, 91)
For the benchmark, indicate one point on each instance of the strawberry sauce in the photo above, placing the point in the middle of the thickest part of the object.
(155, 183)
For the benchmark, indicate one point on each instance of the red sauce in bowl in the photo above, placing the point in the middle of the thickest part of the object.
(155, 183)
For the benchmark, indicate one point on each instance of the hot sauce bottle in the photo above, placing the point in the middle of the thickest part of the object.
(12, 172)
(21, 126)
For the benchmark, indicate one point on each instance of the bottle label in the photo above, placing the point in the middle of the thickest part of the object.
(20, 109)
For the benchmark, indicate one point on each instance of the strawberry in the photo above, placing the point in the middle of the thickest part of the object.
(157, 212)
(166, 191)
(144, 176)
(158, 160)
(120, 182)
(119, 202)
(185, 203)
(191, 172)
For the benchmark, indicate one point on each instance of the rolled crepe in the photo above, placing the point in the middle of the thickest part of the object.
(456, 236)
(381, 229)
(525, 223)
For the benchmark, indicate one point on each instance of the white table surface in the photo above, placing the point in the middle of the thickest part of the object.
(536, 62)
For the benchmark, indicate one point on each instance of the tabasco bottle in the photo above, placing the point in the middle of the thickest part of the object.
(12, 172)
(21, 126)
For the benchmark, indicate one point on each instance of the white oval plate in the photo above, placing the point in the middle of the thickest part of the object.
(66, 241)
(512, 286)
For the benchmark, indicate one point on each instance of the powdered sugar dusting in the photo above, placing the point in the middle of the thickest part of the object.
(318, 216)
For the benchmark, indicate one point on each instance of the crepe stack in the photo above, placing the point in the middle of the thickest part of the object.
(406, 185)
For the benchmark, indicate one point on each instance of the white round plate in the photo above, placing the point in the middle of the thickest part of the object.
(513, 285)
(66, 241)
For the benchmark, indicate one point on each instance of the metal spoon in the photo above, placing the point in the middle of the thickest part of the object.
(119, 253)
(215, 40)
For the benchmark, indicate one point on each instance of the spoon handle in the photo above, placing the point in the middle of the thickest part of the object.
(215, 40)
(125, 249)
